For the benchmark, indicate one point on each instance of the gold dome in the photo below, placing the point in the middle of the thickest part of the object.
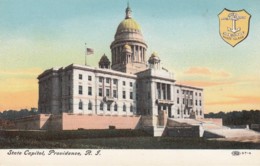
(127, 47)
(154, 58)
(154, 54)
(128, 24)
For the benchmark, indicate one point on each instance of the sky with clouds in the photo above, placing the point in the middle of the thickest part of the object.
(37, 35)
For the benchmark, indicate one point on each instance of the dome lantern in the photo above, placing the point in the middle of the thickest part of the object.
(128, 11)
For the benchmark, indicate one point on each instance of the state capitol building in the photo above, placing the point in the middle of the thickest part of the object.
(132, 84)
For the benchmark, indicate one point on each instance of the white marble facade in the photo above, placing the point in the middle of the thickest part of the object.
(131, 85)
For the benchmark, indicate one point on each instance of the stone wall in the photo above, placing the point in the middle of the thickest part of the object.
(216, 121)
(28, 123)
(81, 121)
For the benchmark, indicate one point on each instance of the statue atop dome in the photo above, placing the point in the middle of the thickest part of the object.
(128, 11)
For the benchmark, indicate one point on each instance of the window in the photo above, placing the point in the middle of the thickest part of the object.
(195, 93)
(200, 102)
(114, 81)
(199, 94)
(115, 107)
(196, 112)
(89, 91)
(124, 108)
(123, 94)
(80, 76)
(123, 83)
(177, 91)
(178, 111)
(69, 90)
(183, 101)
(114, 93)
(107, 80)
(100, 92)
(178, 100)
(184, 111)
(200, 112)
(183, 92)
(80, 90)
(80, 105)
(89, 105)
(196, 102)
(131, 95)
(100, 79)
(131, 84)
(108, 106)
(89, 78)
(101, 107)
(131, 108)
(107, 92)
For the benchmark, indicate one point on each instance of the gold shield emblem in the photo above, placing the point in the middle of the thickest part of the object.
(234, 26)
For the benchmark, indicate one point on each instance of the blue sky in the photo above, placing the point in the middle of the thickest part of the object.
(36, 35)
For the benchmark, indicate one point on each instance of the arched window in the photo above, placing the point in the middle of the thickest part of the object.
(89, 105)
(101, 106)
(124, 107)
(115, 107)
(131, 108)
(80, 105)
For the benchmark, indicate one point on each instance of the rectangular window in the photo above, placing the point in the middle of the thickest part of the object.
(195, 93)
(114, 81)
(89, 78)
(80, 105)
(89, 91)
(80, 90)
(131, 84)
(178, 100)
(114, 93)
(131, 95)
(200, 102)
(80, 76)
(196, 102)
(107, 92)
(123, 83)
(100, 79)
(107, 80)
(177, 91)
(199, 94)
(183, 101)
(101, 106)
(123, 94)
(100, 92)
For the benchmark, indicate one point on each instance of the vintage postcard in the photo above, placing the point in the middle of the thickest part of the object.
(108, 82)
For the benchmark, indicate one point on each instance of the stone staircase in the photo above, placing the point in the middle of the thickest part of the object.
(209, 129)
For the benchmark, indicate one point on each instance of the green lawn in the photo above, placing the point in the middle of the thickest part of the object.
(107, 139)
